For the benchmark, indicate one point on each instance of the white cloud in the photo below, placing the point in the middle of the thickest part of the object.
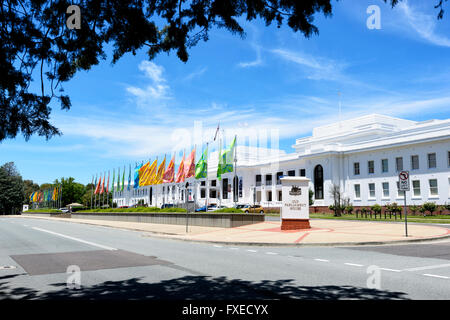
(423, 24)
(154, 93)
(317, 68)
(257, 62)
(195, 74)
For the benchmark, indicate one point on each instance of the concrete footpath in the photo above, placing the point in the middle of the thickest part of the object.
(322, 232)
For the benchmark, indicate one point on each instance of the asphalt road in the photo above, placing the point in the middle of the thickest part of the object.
(122, 264)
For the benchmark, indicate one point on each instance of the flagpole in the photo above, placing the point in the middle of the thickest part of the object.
(92, 192)
(235, 186)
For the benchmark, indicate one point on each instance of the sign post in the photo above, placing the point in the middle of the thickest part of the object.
(403, 178)
(295, 203)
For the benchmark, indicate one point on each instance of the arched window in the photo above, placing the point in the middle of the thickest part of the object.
(318, 182)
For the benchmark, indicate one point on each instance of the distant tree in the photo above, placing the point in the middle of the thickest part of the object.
(71, 191)
(339, 201)
(28, 189)
(35, 41)
(311, 197)
(11, 189)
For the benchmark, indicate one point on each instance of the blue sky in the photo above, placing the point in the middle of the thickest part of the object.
(274, 79)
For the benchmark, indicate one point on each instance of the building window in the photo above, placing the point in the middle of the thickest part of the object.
(399, 164)
(279, 176)
(203, 183)
(269, 195)
(400, 193)
(268, 179)
(258, 180)
(384, 165)
(416, 188)
(291, 173)
(433, 187)
(356, 168)
(212, 194)
(371, 166)
(225, 188)
(431, 160)
(318, 182)
(385, 189)
(357, 191)
(202, 193)
(303, 171)
(213, 182)
(415, 162)
(371, 190)
(280, 197)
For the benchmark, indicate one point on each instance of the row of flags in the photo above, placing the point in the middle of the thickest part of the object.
(153, 174)
(45, 195)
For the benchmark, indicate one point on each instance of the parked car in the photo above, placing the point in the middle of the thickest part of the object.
(167, 205)
(64, 210)
(253, 209)
(123, 207)
(211, 207)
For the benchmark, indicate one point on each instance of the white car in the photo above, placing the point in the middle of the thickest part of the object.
(64, 210)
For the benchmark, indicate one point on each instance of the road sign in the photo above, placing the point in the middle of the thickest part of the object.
(403, 179)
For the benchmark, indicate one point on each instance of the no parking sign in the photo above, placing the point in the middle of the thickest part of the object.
(404, 180)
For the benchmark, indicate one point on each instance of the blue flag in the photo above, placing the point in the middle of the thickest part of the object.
(136, 175)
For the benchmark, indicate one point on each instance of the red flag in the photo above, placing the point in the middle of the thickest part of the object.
(103, 185)
(97, 189)
(168, 176)
(190, 165)
(180, 173)
(107, 184)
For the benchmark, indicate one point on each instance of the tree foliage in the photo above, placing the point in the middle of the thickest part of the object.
(71, 191)
(35, 42)
(11, 189)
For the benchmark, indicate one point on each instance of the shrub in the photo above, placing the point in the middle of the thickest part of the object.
(376, 208)
(349, 209)
(423, 210)
(414, 209)
(229, 210)
(429, 206)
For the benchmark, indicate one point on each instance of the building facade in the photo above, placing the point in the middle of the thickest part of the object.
(363, 156)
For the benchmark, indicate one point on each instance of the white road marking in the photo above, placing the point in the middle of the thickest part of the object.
(7, 267)
(271, 252)
(217, 246)
(436, 266)
(393, 270)
(249, 250)
(435, 276)
(322, 260)
(75, 239)
(354, 264)
(234, 248)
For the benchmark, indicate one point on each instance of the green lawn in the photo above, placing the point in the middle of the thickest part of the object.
(421, 219)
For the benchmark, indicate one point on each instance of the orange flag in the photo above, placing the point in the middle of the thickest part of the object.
(168, 176)
(190, 165)
(160, 173)
(180, 173)
(97, 189)
(103, 185)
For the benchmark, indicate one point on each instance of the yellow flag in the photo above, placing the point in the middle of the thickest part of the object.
(160, 174)
(143, 172)
(151, 174)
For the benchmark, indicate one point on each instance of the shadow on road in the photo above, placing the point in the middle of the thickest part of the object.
(200, 288)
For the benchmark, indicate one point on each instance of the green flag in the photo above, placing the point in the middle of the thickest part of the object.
(114, 179)
(123, 179)
(118, 179)
(201, 167)
(226, 160)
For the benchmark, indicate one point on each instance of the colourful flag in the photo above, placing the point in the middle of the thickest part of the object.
(107, 184)
(103, 185)
(189, 170)
(143, 174)
(160, 173)
(118, 179)
(54, 194)
(151, 174)
(123, 179)
(97, 189)
(136, 175)
(35, 196)
(180, 172)
(31, 196)
(129, 178)
(226, 160)
(168, 176)
(114, 180)
(201, 167)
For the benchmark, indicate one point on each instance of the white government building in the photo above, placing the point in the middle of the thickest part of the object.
(362, 155)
